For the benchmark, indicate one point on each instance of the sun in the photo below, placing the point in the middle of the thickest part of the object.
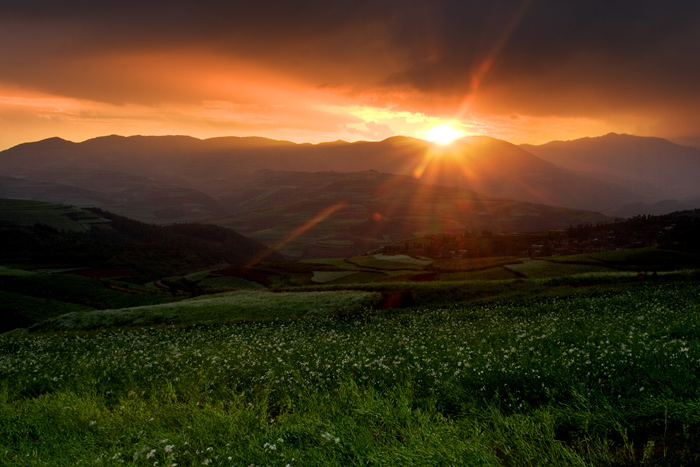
(443, 134)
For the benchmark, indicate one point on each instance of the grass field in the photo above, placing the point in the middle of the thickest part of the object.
(230, 282)
(360, 277)
(27, 213)
(473, 264)
(491, 274)
(27, 298)
(597, 376)
(340, 263)
(404, 268)
(243, 305)
(635, 259)
(540, 269)
(388, 262)
(321, 277)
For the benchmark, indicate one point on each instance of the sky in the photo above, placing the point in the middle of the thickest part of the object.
(527, 71)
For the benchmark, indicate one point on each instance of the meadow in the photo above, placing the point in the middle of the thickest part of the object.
(606, 372)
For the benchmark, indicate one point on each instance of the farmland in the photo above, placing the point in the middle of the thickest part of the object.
(388, 358)
(603, 374)
(387, 268)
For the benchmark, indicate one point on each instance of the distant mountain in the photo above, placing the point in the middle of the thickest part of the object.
(656, 209)
(492, 167)
(658, 168)
(693, 141)
(331, 214)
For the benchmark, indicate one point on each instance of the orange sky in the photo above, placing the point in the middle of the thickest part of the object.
(524, 71)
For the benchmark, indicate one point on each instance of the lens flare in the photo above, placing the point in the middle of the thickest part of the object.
(299, 231)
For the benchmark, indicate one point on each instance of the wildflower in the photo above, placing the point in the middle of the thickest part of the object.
(151, 454)
(169, 447)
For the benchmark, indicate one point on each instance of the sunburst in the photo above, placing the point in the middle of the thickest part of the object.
(443, 134)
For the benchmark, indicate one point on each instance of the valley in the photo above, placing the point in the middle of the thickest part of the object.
(204, 313)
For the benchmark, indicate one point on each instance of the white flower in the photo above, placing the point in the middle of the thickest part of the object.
(169, 447)
(151, 454)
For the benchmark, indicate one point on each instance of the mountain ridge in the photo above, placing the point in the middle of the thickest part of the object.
(672, 169)
(545, 174)
(488, 165)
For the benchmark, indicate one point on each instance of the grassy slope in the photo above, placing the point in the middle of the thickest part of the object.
(638, 258)
(597, 377)
(244, 305)
(540, 269)
(491, 274)
(29, 298)
(58, 216)
(384, 263)
(334, 299)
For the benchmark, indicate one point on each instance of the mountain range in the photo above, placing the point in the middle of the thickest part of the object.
(664, 174)
(274, 190)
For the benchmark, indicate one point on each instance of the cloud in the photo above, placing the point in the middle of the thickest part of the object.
(372, 131)
(595, 60)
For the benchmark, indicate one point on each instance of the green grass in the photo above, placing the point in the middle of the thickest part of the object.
(540, 269)
(197, 276)
(360, 277)
(21, 311)
(474, 264)
(7, 271)
(27, 213)
(635, 259)
(322, 277)
(607, 377)
(492, 268)
(404, 259)
(230, 281)
(492, 274)
(372, 262)
(337, 262)
(33, 297)
(243, 305)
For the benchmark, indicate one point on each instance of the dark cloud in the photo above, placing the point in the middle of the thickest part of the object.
(539, 57)
(620, 49)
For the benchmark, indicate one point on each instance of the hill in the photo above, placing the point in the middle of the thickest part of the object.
(43, 235)
(329, 214)
(142, 198)
(660, 169)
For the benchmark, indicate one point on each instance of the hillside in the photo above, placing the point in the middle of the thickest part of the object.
(328, 214)
(657, 167)
(43, 235)
(142, 198)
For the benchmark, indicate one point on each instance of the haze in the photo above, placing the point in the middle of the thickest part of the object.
(523, 71)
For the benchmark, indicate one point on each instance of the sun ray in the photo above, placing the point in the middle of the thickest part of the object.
(443, 134)
(298, 231)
